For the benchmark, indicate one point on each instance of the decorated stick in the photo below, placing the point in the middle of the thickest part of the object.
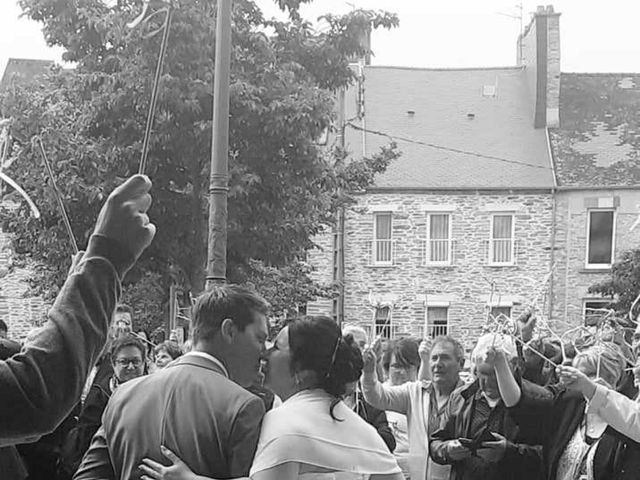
(156, 80)
(425, 328)
(530, 348)
(34, 210)
(58, 196)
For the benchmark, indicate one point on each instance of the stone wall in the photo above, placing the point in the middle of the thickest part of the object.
(465, 284)
(321, 258)
(19, 310)
(571, 278)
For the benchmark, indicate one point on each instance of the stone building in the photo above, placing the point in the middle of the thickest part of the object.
(597, 152)
(462, 223)
(506, 175)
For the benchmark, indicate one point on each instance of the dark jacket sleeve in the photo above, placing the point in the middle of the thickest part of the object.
(96, 464)
(438, 441)
(40, 385)
(243, 439)
(534, 411)
(378, 419)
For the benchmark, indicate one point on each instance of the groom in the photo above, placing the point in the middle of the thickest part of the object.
(196, 406)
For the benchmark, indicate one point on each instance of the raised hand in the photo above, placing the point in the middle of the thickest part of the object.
(370, 357)
(123, 217)
(495, 355)
(576, 381)
(424, 350)
(526, 324)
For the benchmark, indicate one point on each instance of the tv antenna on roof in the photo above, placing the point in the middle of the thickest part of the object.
(518, 16)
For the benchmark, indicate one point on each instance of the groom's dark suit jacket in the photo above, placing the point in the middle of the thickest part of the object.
(192, 408)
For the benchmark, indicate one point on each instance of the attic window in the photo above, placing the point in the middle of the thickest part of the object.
(489, 91)
(626, 83)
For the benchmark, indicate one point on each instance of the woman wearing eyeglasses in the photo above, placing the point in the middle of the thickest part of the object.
(127, 358)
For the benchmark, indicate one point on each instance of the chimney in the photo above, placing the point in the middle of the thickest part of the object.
(539, 53)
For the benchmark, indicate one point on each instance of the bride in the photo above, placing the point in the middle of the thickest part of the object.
(313, 435)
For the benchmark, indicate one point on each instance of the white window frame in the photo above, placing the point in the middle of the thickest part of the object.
(427, 246)
(513, 239)
(374, 242)
(430, 327)
(597, 266)
(510, 307)
(386, 326)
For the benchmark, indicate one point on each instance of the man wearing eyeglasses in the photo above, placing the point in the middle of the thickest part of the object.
(127, 359)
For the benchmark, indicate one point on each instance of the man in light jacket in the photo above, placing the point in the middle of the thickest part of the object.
(423, 402)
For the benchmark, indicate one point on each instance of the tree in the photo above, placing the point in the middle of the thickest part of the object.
(283, 187)
(624, 284)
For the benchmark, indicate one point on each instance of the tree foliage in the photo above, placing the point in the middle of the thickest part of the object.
(624, 284)
(284, 188)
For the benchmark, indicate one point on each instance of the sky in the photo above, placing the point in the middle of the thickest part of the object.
(596, 36)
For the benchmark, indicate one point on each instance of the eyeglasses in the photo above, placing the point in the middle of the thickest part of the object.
(124, 362)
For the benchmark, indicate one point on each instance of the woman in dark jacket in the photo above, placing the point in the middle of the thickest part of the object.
(127, 359)
(577, 443)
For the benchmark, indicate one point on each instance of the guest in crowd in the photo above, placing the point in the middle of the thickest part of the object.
(567, 418)
(354, 399)
(479, 438)
(127, 358)
(423, 403)
(165, 353)
(400, 363)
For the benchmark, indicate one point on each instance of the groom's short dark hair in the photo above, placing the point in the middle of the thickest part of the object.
(225, 301)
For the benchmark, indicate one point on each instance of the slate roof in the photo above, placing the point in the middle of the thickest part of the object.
(23, 69)
(501, 126)
(598, 142)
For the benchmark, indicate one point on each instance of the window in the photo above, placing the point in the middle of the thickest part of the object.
(438, 248)
(497, 311)
(382, 242)
(383, 322)
(438, 321)
(600, 241)
(592, 311)
(501, 244)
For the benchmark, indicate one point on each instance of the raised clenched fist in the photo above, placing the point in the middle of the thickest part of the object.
(123, 217)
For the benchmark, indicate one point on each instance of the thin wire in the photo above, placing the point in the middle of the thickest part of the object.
(441, 147)
(154, 93)
(58, 195)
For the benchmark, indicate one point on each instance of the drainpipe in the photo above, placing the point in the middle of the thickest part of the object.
(554, 208)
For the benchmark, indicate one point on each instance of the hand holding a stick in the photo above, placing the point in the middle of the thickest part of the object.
(424, 349)
(370, 357)
(526, 324)
(576, 381)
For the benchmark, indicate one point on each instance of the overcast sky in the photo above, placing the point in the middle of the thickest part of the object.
(596, 36)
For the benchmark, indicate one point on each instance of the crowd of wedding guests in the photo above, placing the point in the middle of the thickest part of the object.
(87, 398)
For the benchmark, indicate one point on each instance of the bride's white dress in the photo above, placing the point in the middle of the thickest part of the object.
(301, 430)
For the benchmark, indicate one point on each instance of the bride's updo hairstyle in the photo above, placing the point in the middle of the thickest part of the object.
(316, 344)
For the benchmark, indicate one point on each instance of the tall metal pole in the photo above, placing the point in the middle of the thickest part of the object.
(219, 179)
(339, 257)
